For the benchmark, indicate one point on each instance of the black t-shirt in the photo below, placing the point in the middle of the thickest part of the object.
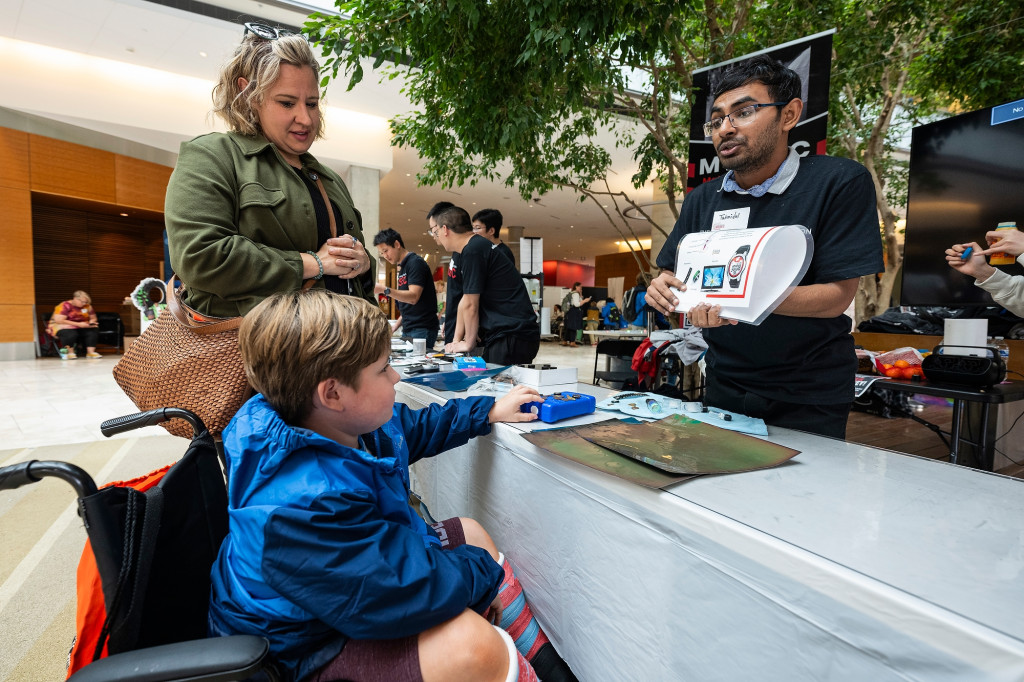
(323, 232)
(795, 359)
(423, 313)
(453, 295)
(503, 249)
(505, 307)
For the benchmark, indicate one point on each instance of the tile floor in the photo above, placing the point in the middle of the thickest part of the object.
(48, 401)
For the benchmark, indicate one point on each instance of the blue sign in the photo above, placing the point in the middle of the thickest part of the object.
(1008, 112)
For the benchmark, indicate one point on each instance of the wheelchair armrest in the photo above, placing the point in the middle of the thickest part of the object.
(217, 659)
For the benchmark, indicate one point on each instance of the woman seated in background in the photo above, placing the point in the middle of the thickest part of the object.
(237, 209)
(75, 321)
(556, 320)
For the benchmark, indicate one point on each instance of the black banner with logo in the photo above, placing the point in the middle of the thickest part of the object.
(811, 58)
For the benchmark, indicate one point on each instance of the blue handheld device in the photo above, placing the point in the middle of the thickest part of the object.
(558, 406)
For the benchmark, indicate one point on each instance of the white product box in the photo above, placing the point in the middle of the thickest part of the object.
(545, 378)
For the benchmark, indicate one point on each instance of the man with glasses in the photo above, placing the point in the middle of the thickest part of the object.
(453, 288)
(796, 369)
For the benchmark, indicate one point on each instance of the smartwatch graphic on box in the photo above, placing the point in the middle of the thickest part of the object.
(736, 265)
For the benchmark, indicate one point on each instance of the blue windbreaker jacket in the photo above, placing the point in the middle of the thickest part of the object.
(323, 545)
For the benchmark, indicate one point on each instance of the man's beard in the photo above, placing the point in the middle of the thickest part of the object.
(759, 152)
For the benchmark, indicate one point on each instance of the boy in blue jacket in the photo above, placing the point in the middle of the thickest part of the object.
(324, 556)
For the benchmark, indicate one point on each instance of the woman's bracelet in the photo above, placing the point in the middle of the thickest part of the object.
(319, 264)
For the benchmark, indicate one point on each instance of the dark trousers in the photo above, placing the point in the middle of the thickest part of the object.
(87, 335)
(825, 420)
(512, 350)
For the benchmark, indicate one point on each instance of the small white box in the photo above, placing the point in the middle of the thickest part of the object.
(545, 378)
(554, 388)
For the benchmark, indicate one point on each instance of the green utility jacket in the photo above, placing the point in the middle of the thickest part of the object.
(238, 219)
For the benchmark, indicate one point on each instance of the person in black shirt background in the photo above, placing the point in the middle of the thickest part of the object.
(415, 295)
(487, 223)
(495, 307)
(453, 292)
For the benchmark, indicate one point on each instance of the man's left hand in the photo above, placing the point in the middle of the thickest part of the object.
(458, 347)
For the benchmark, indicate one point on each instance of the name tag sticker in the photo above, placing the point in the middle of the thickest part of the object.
(733, 219)
(1008, 112)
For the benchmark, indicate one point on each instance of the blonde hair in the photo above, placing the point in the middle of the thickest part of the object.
(258, 61)
(82, 295)
(292, 341)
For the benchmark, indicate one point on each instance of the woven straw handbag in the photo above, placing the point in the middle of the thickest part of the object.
(180, 362)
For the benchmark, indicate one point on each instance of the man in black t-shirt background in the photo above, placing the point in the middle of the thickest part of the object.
(487, 223)
(453, 292)
(796, 369)
(415, 294)
(495, 307)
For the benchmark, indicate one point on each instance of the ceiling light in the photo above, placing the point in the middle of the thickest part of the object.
(201, 53)
(124, 215)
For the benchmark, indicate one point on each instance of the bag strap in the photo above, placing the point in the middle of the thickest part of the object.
(178, 310)
(327, 203)
(152, 518)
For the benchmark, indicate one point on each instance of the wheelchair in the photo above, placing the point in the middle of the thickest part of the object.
(153, 552)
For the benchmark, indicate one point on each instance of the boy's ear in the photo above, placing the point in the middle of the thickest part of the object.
(330, 393)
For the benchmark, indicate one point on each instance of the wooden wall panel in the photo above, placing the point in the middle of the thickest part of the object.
(16, 262)
(108, 256)
(622, 265)
(141, 184)
(71, 170)
(16, 323)
(122, 253)
(14, 166)
(49, 252)
(64, 236)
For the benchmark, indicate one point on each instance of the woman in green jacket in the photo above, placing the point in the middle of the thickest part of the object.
(245, 210)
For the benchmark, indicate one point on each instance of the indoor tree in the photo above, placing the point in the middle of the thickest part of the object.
(517, 90)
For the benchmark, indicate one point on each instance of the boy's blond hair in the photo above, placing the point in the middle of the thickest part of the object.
(292, 341)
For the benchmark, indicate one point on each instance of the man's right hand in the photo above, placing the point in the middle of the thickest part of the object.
(660, 297)
(975, 264)
(704, 316)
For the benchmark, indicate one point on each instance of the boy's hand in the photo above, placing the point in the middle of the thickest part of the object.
(506, 409)
(494, 611)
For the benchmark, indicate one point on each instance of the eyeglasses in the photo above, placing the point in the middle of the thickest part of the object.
(433, 231)
(738, 118)
(266, 32)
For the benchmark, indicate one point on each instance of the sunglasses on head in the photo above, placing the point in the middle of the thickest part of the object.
(266, 32)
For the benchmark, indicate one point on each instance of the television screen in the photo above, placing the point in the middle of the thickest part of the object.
(966, 177)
